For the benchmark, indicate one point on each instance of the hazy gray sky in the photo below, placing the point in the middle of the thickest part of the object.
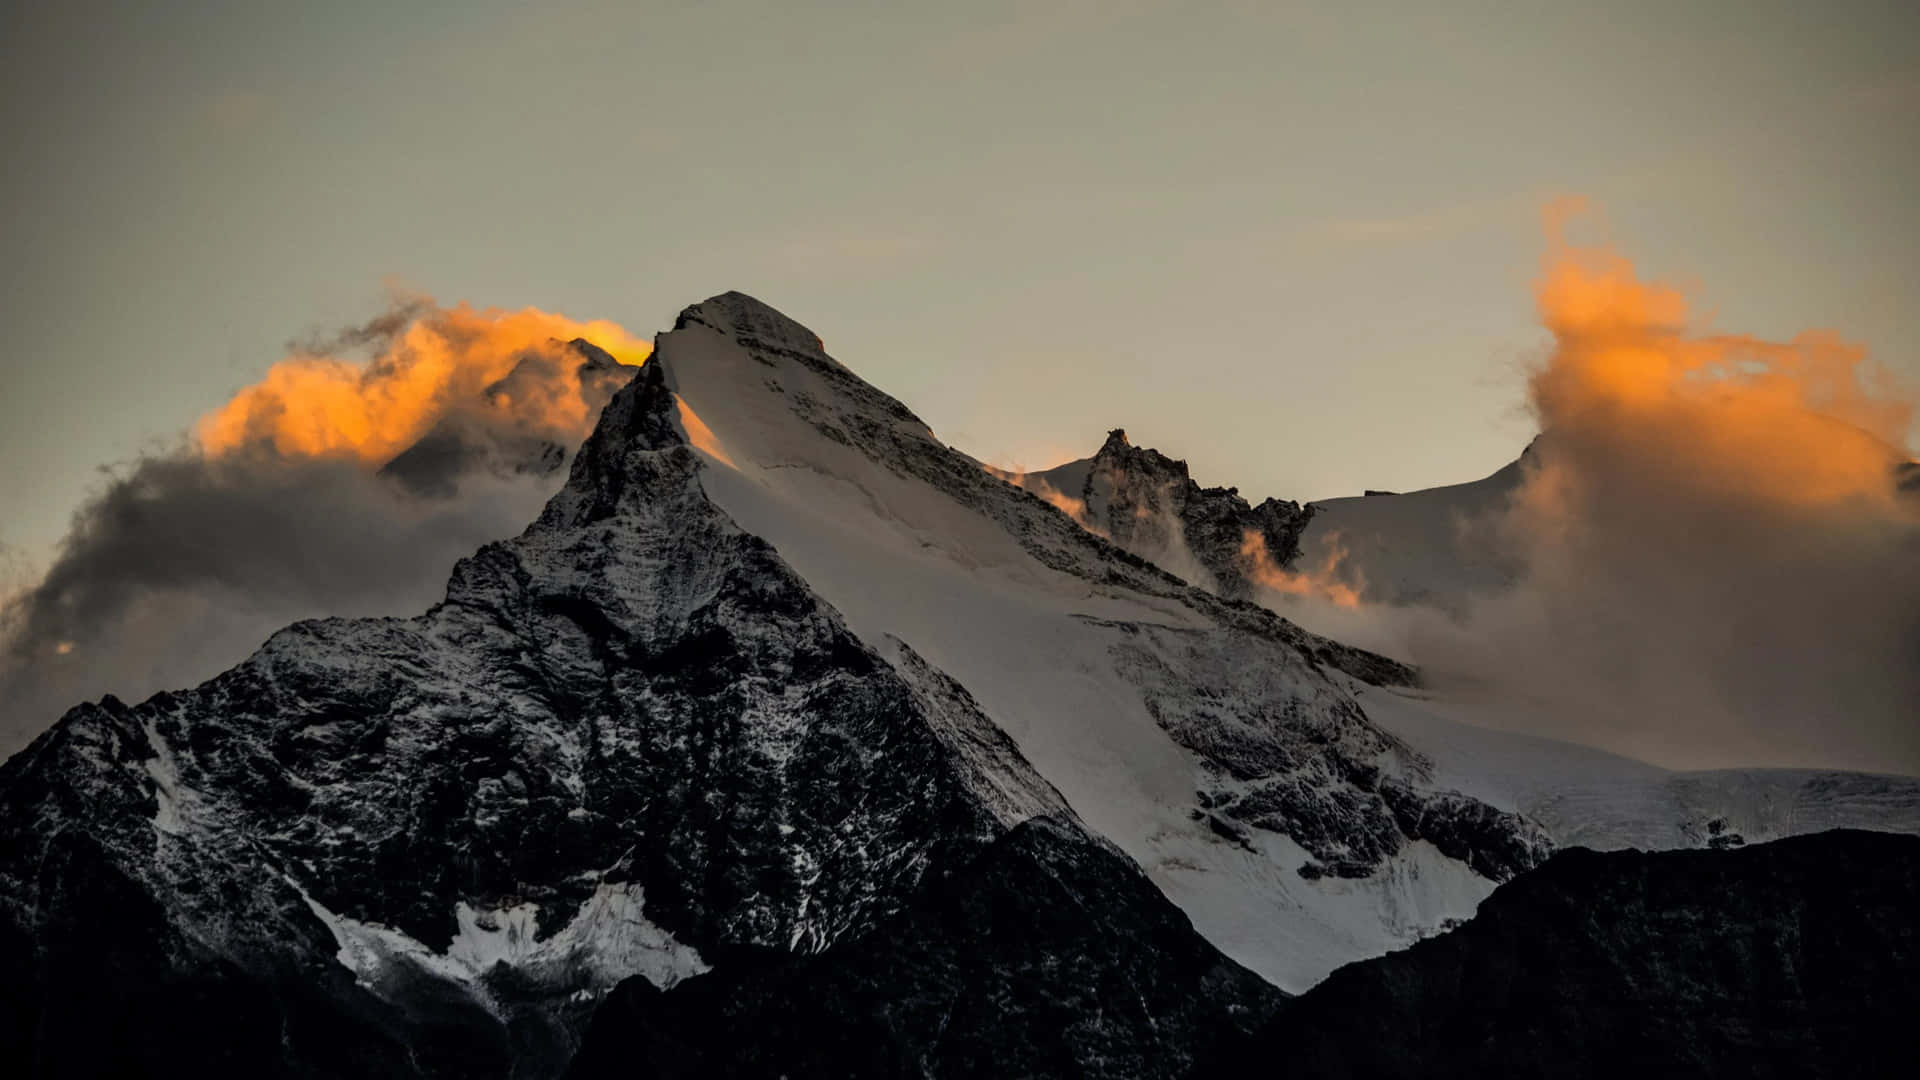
(1290, 245)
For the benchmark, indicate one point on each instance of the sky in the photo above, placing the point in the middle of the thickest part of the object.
(1290, 246)
(1300, 247)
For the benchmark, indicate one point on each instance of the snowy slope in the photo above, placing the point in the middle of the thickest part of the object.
(1591, 798)
(1436, 548)
(1204, 738)
(1428, 547)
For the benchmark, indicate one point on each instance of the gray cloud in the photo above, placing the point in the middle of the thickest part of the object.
(1658, 620)
(1696, 630)
(184, 562)
(182, 566)
(1712, 555)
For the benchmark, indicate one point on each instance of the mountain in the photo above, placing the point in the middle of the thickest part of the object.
(783, 713)
(1794, 958)
(1219, 746)
(629, 740)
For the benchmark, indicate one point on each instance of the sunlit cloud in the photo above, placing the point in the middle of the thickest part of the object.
(440, 360)
(1721, 565)
(1326, 580)
(346, 481)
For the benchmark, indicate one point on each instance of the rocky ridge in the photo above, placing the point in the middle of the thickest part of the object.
(1149, 504)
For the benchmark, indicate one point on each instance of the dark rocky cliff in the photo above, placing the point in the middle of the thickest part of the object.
(1795, 958)
(1051, 955)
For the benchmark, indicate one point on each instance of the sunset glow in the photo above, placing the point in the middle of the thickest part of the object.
(1324, 581)
(1810, 421)
(325, 406)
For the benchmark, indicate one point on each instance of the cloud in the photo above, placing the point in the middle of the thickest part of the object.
(336, 485)
(431, 363)
(1038, 485)
(1718, 550)
(1719, 562)
(1325, 579)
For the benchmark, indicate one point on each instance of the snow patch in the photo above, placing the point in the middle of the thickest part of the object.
(608, 939)
(172, 797)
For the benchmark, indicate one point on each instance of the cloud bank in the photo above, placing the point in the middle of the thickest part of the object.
(346, 481)
(1720, 564)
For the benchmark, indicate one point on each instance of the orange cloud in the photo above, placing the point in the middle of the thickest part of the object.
(1720, 565)
(1805, 422)
(1059, 500)
(1323, 582)
(314, 405)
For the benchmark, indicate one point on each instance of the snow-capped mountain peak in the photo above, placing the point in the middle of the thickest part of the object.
(1216, 743)
(775, 675)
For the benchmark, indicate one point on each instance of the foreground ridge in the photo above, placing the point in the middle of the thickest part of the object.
(1797, 958)
(1050, 955)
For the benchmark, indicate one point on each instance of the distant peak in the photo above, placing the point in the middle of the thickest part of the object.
(1118, 452)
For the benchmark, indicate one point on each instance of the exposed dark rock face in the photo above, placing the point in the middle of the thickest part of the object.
(1051, 955)
(107, 984)
(1498, 844)
(1795, 958)
(1308, 765)
(629, 739)
(1149, 505)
